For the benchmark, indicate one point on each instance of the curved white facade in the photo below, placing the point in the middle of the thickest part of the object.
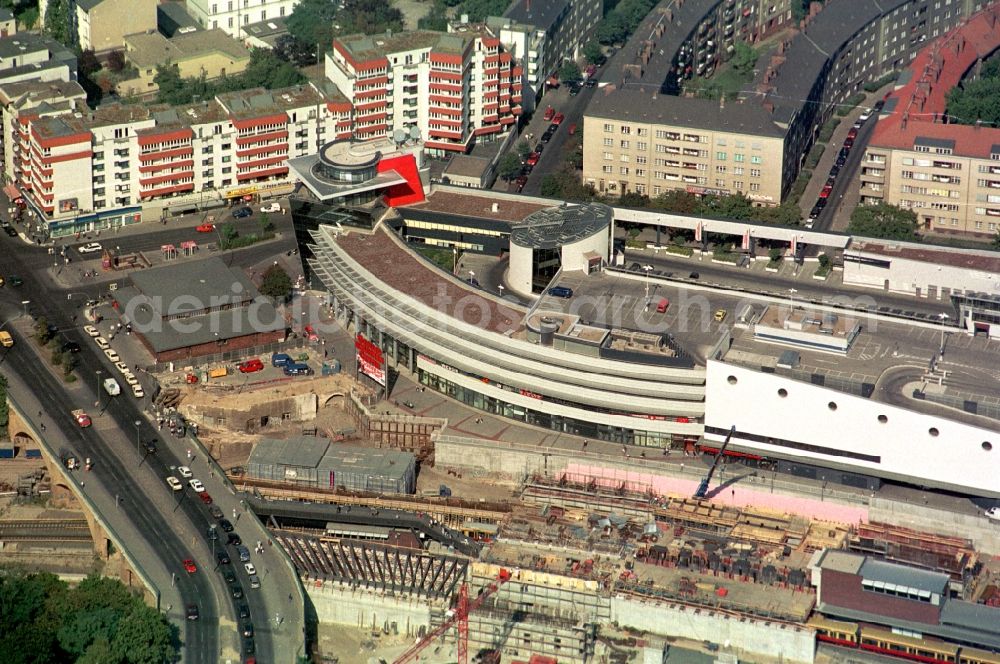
(665, 401)
(779, 417)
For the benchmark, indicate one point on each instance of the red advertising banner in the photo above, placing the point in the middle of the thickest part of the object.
(371, 362)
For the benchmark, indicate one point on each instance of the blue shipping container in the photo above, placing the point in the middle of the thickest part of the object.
(6, 451)
(33, 454)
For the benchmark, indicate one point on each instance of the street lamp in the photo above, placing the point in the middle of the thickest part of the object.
(647, 269)
(25, 304)
(944, 317)
(500, 286)
(138, 453)
(98, 403)
(472, 277)
(791, 298)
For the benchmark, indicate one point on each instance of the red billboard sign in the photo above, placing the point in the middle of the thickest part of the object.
(371, 362)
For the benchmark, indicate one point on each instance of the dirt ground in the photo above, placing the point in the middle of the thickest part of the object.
(12, 469)
(466, 488)
(413, 11)
(349, 645)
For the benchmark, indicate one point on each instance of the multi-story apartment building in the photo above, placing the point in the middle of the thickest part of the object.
(842, 47)
(104, 168)
(101, 25)
(40, 98)
(232, 15)
(948, 174)
(451, 88)
(642, 144)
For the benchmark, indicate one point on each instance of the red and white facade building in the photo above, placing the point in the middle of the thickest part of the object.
(449, 87)
(88, 170)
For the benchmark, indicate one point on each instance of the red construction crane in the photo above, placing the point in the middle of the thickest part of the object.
(460, 616)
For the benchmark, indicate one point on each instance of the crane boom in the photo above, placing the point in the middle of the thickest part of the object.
(460, 616)
(703, 487)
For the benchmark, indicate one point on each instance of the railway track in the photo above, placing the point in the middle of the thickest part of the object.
(45, 530)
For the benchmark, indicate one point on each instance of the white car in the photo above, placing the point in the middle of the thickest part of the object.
(89, 248)
(864, 116)
(185, 472)
(196, 485)
(175, 483)
(137, 391)
(122, 367)
(91, 331)
(993, 514)
(251, 570)
(131, 379)
(271, 207)
(112, 354)
(102, 343)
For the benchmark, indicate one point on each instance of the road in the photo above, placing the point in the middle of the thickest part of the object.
(807, 289)
(846, 179)
(173, 533)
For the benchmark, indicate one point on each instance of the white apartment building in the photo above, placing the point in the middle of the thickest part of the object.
(449, 87)
(89, 170)
(232, 15)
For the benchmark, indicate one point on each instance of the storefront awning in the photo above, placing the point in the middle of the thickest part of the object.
(12, 192)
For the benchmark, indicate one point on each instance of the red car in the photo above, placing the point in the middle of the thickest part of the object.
(558, 118)
(520, 182)
(572, 129)
(825, 193)
(852, 133)
(848, 142)
(206, 228)
(251, 366)
(205, 498)
(311, 333)
(533, 159)
(190, 567)
(549, 112)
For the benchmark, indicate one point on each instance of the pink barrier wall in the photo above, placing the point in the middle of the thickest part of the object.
(737, 495)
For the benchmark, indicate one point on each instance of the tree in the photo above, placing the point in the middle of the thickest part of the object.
(276, 283)
(744, 58)
(523, 149)
(884, 221)
(299, 53)
(170, 84)
(116, 61)
(143, 637)
(42, 330)
(229, 232)
(87, 63)
(775, 254)
(435, 19)
(57, 22)
(479, 10)
(267, 70)
(996, 241)
(824, 261)
(509, 166)
(676, 200)
(569, 71)
(311, 22)
(266, 225)
(4, 408)
(735, 206)
(593, 52)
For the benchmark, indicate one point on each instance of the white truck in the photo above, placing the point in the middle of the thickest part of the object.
(112, 387)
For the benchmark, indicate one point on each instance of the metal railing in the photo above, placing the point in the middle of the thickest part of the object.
(91, 506)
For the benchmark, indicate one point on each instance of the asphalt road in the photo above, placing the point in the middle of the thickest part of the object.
(553, 156)
(807, 289)
(847, 176)
(166, 529)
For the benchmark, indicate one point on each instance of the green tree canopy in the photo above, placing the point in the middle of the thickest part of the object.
(311, 22)
(509, 166)
(4, 409)
(884, 221)
(99, 621)
(977, 99)
(593, 52)
(276, 283)
(569, 71)
(58, 24)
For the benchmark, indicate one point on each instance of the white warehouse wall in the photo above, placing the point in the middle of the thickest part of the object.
(960, 457)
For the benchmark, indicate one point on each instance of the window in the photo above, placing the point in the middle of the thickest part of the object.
(720, 169)
(641, 159)
(738, 157)
(737, 170)
(756, 160)
(738, 184)
(642, 146)
(608, 156)
(755, 172)
(609, 142)
(624, 158)
(608, 126)
(626, 130)
(623, 170)
(754, 186)
(720, 183)
(623, 145)
(721, 156)
(642, 132)
(641, 172)
(606, 168)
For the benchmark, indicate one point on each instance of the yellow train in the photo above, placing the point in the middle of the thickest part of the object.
(885, 642)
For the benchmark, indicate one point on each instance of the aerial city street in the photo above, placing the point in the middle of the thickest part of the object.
(500, 331)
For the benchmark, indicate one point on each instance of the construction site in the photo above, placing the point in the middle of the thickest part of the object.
(524, 553)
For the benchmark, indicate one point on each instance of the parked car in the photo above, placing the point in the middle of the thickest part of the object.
(205, 228)
(532, 159)
(280, 359)
(91, 331)
(558, 119)
(192, 611)
(591, 82)
(185, 472)
(546, 137)
(572, 129)
(243, 212)
(9, 230)
(226, 525)
(561, 291)
(82, 418)
(852, 133)
(250, 366)
(196, 485)
(868, 112)
(693, 275)
(297, 369)
(15, 280)
(825, 191)
(274, 206)
(175, 484)
(834, 171)
(89, 248)
(71, 347)
(849, 142)
(519, 183)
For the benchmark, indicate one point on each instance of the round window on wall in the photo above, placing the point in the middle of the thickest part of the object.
(832, 405)
(987, 446)
(782, 393)
(883, 419)
(732, 380)
(933, 431)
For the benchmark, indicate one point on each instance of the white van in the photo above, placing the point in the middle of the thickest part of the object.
(112, 387)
